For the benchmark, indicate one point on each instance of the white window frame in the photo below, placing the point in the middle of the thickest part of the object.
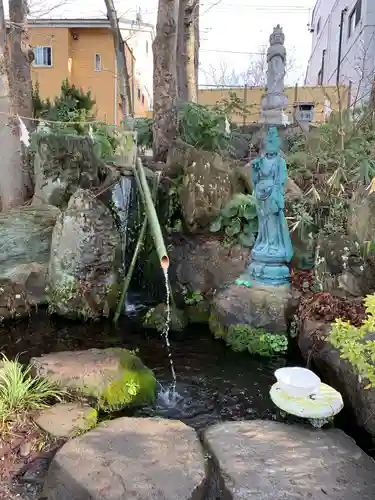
(42, 47)
(96, 68)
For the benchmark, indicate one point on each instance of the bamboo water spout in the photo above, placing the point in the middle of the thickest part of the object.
(152, 218)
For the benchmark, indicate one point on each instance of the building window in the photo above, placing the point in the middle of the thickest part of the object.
(43, 56)
(139, 94)
(143, 98)
(318, 26)
(355, 17)
(98, 62)
(146, 46)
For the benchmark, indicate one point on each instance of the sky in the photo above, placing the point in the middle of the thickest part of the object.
(240, 27)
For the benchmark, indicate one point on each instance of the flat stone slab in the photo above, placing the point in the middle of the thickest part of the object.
(65, 420)
(128, 459)
(273, 461)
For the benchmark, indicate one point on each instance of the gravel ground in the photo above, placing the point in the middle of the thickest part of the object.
(26, 491)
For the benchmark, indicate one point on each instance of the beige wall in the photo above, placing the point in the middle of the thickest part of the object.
(253, 95)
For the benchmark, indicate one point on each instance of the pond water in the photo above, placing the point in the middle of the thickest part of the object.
(213, 382)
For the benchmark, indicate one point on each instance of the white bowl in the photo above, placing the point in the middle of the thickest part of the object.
(297, 382)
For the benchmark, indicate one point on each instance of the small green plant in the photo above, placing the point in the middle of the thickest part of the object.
(20, 392)
(238, 219)
(257, 341)
(133, 387)
(192, 298)
(353, 345)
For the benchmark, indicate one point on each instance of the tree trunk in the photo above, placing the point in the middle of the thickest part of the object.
(197, 45)
(188, 26)
(21, 56)
(12, 190)
(165, 122)
(122, 66)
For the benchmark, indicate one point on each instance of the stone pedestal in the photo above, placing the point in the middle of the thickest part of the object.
(264, 306)
(272, 110)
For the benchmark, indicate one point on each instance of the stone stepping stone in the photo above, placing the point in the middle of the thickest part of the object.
(275, 461)
(128, 459)
(65, 420)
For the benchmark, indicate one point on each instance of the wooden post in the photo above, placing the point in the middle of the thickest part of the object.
(245, 104)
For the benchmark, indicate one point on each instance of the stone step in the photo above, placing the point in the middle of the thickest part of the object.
(266, 460)
(128, 459)
(157, 459)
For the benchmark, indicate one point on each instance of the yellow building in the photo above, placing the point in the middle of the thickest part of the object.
(82, 51)
(323, 98)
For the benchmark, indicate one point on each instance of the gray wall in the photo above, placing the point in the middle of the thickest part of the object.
(358, 50)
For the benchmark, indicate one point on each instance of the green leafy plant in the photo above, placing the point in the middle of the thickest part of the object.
(143, 126)
(257, 341)
(354, 344)
(20, 392)
(192, 298)
(72, 106)
(203, 128)
(243, 337)
(238, 219)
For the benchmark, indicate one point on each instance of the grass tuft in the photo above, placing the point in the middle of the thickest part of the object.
(22, 393)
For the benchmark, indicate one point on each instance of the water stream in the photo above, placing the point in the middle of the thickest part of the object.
(169, 394)
(122, 197)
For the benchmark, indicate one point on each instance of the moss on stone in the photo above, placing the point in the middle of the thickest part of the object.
(242, 337)
(135, 386)
(198, 313)
(157, 317)
(216, 328)
(91, 421)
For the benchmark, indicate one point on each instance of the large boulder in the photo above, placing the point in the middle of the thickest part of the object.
(83, 279)
(64, 163)
(265, 307)
(341, 266)
(201, 263)
(114, 377)
(275, 461)
(206, 183)
(338, 372)
(254, 319)
(130, 458)
(25, 246)
(23, 288)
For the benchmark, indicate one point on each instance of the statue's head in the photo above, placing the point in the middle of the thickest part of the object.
(272, 143)
(277, 37)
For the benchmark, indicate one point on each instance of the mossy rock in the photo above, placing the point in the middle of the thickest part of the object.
(115, 378)
(198, 313)
(256, 341)
(156, 318)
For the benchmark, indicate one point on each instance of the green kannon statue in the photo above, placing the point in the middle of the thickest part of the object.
(273, 248)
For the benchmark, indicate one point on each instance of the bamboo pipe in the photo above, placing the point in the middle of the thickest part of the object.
(153, 218)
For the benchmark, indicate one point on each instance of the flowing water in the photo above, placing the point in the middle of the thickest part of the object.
(169, 393)
(122, 197)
